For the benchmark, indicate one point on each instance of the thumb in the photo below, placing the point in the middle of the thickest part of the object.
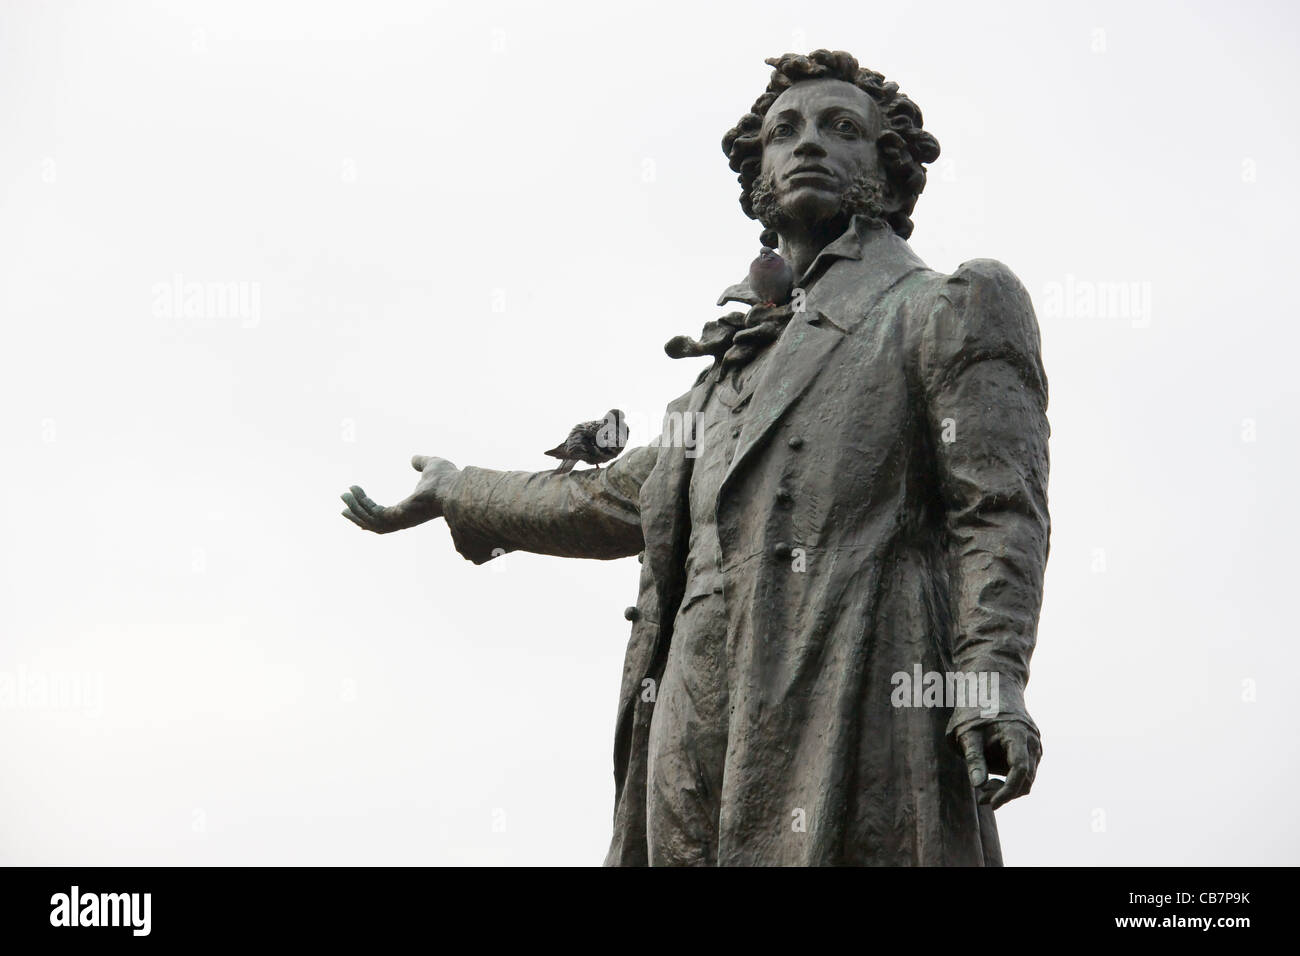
(419, 461)
(972, 745)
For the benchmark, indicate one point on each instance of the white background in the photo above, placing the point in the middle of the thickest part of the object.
(472, 225)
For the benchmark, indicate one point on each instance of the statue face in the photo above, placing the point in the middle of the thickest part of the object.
(818, 138)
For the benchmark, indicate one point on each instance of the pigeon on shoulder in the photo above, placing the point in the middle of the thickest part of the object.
(771, 278)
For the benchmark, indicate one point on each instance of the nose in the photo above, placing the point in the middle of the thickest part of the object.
(810, 142)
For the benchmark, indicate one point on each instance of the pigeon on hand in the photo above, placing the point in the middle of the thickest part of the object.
(592, 442)
(771, 277)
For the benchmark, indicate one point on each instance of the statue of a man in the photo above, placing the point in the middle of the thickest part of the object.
(852, 494)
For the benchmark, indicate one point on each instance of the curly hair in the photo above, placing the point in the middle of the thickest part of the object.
(903, 144)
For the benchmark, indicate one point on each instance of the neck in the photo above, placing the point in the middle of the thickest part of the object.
(799, 246)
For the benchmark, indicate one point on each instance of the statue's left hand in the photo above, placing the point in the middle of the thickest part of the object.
(1013, 745)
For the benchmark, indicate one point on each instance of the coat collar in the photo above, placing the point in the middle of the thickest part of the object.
(858, 241)
(853, 243)
(843, 285)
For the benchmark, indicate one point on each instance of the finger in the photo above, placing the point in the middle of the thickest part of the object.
(1015, 786)
(1013, 741)
(368, 506)
(357, 521)
(1012, 729)
(972, 745)
(368, 520)
(354, 506)
(1021, 764)
(419, 461)
(1023, 754)
(1021, 751)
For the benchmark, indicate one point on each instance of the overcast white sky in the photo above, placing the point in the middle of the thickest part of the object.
(458, 228)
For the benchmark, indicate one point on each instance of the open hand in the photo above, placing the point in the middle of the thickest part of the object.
(423, 504)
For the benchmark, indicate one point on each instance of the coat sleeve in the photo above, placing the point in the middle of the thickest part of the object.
(986, 401)
(592, 513)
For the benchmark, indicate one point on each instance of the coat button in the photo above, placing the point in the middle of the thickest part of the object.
(784, 497)
(795, 442)
(781, 550)
(640, 558)
(633, 614)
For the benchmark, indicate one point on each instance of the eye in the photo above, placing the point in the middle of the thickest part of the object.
(781, 130)
(846, 126)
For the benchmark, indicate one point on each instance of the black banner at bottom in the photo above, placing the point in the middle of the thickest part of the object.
(378, 906)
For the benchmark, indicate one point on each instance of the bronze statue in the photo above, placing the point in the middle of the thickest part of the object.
(854, 492)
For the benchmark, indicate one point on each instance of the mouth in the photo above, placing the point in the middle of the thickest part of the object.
(811, 171)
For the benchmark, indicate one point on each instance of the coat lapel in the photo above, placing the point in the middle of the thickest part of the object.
(799, 354)
(842, 285)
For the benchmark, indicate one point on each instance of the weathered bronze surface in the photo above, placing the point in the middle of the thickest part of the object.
(850, 499)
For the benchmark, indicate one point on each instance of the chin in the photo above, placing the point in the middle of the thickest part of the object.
(808, 206)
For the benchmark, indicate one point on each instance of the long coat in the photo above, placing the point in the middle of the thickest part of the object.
(886, 508)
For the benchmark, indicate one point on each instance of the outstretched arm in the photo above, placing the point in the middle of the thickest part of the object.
(592, 513)
(986, 397)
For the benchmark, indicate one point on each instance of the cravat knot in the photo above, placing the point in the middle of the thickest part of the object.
(735, 338)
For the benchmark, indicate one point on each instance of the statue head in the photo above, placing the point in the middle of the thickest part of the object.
(825, 141)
